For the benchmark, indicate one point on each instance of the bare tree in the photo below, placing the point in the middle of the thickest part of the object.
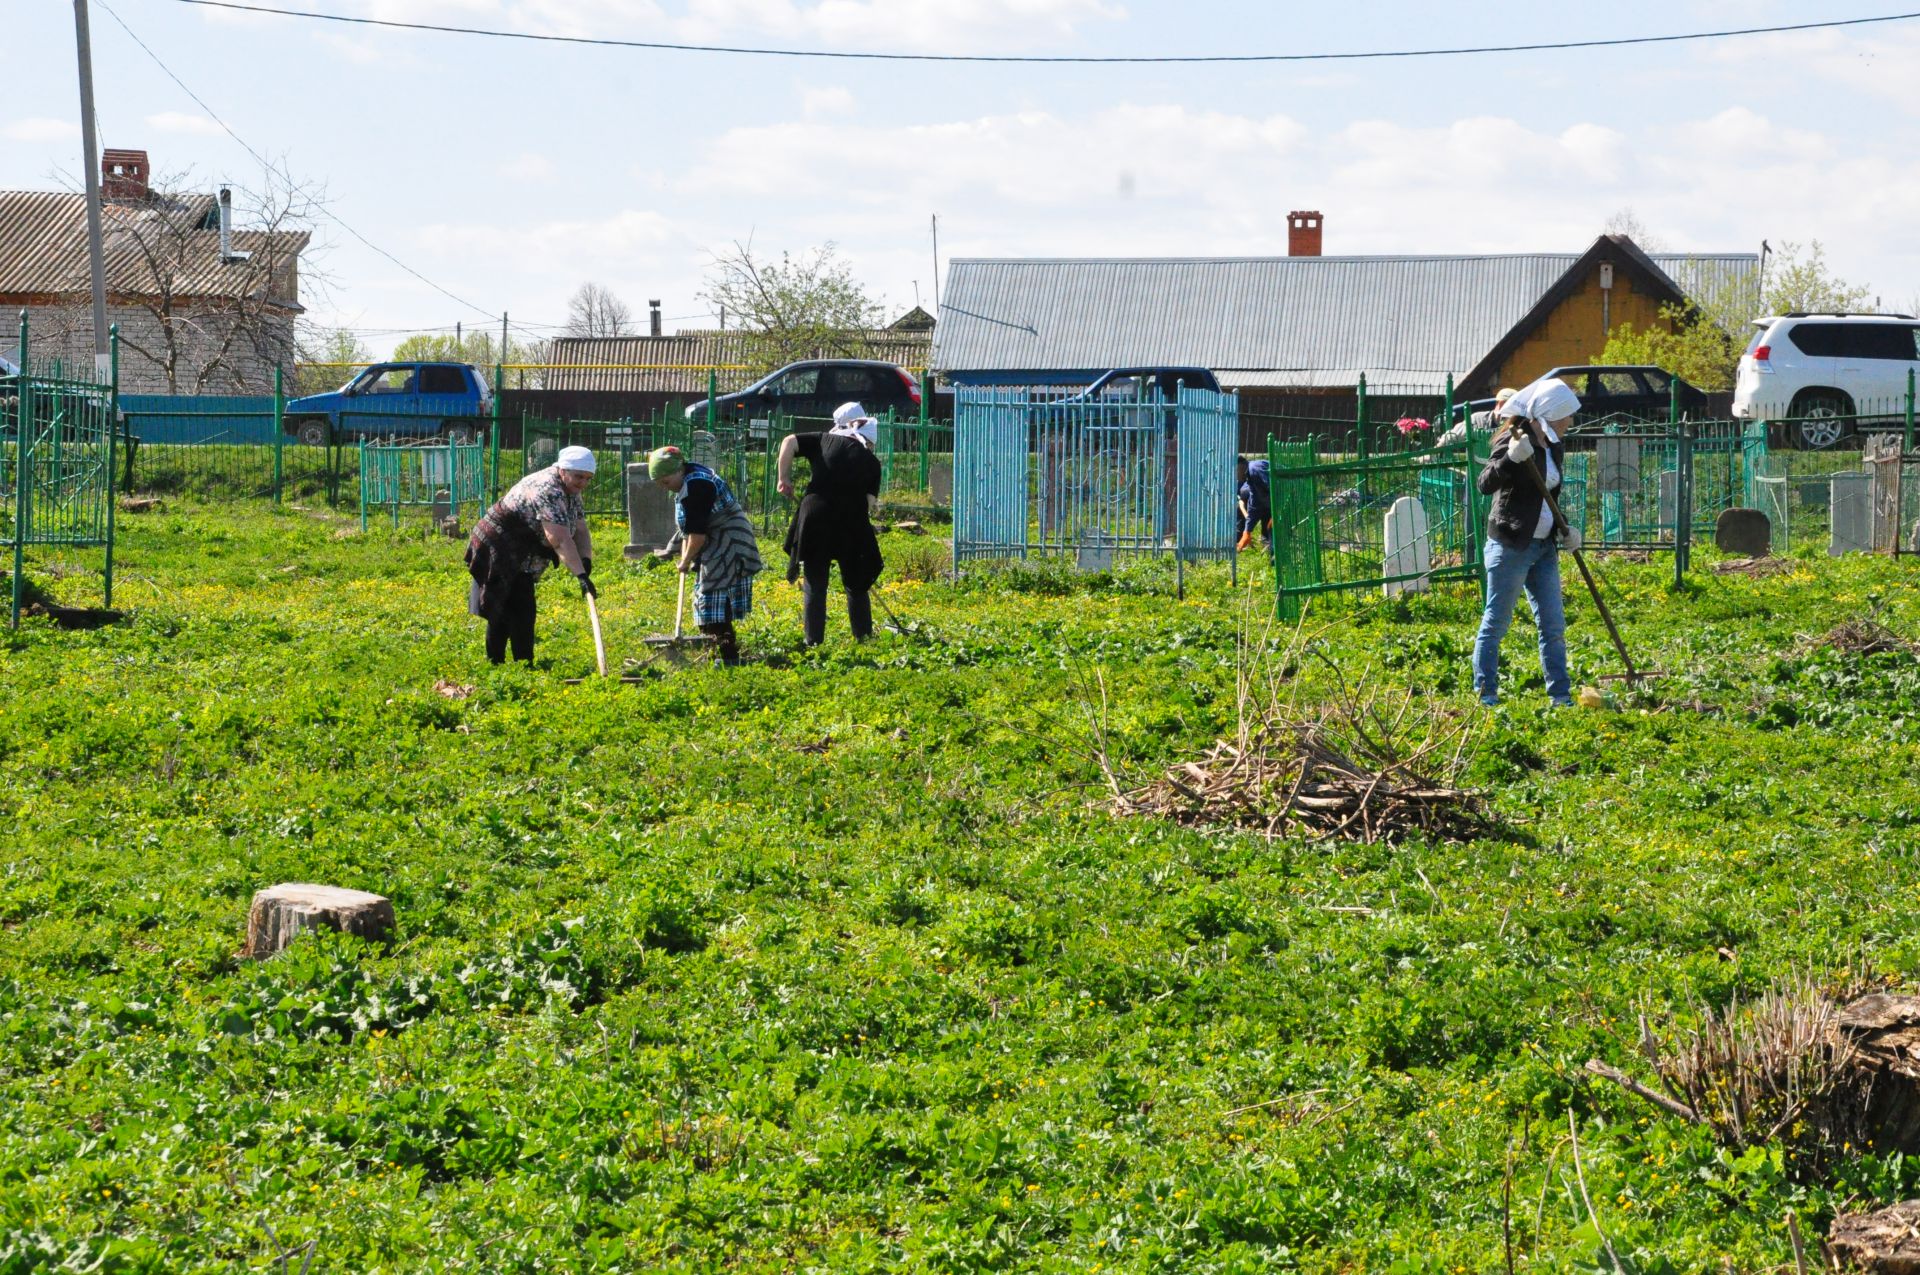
(595, 311)
(1627, 222)
(326, 358)
(802, 307)
(191, 317)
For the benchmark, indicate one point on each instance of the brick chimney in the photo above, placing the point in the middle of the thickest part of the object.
(1303, 234)
(653, 318)
(123, 174)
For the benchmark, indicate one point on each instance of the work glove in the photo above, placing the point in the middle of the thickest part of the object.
(1570, 538)
(586, 585)
(1519, 447)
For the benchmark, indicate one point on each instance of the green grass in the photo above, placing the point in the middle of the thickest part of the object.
(837, 966)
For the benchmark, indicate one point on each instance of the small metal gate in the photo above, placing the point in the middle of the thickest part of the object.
(58, 442)
(443, 477)
(1067, 476)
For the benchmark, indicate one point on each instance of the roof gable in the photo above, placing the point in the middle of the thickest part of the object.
(1403, 320)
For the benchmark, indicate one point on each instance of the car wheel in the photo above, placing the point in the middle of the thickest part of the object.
(460, 432)
(312, 433)
(1822, 418)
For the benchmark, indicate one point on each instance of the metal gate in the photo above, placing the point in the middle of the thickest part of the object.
(58, 441)
(1066, 476)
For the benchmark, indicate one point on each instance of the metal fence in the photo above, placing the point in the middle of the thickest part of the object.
(57, 459)
(442, 477)
(1093, 479)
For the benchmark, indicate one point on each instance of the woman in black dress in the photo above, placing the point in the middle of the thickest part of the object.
(831, 524)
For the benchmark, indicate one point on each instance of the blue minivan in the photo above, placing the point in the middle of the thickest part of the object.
(397, 400)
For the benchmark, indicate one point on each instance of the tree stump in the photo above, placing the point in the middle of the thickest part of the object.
(1886, 1242)
(281, 912)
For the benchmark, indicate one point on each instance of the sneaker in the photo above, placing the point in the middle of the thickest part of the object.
(1563, 703)
(1490, 701)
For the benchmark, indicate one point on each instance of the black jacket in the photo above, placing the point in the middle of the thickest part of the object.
(1516, 499)
(831, 523)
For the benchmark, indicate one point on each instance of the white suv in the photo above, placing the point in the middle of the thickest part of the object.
(1824, 373)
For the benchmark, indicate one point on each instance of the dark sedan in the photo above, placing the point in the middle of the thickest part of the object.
(1631, 392)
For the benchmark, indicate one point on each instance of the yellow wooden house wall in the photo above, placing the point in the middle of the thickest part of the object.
(1576, 330)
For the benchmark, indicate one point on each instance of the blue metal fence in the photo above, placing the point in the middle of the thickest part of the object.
(1065, 476)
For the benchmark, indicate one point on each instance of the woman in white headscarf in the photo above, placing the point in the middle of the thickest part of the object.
(1524, 538)
(831, 524)
(539, 522)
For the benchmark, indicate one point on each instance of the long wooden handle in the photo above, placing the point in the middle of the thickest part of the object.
(680, 607)
(599, 647)
(1532, 466)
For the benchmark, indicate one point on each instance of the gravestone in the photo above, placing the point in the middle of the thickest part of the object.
(705, 448)
(1409, 548)
(282, 912)
(940, 483)
(1619, 463)
(1669, 499)
(649, 513)
(1094, 556)
(1852, 517)
(1747, 533)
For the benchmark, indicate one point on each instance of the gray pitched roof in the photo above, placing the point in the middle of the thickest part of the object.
(1319, 321)
(43, 248)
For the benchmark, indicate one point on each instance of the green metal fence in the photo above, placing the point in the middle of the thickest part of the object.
(443, 477)
(57, 460)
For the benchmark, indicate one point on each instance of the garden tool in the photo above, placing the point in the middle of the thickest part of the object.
(676, 646)
(599, 646)
(1560, 524)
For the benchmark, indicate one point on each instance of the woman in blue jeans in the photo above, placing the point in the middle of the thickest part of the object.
(1524, 538)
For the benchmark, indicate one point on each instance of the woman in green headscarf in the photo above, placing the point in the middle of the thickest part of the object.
(716, 539)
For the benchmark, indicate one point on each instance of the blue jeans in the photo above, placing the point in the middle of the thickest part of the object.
(1535, 568)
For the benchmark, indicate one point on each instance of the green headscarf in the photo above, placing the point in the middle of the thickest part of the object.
(662, 461)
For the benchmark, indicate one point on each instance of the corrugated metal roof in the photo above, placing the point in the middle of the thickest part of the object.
(1404, 320)
(43, 248)
(678, 363)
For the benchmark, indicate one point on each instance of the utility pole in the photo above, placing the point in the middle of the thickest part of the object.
(90, 142)
(936, 264)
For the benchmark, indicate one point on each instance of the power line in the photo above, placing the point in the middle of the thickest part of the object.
(270, 167)
(1083, 59)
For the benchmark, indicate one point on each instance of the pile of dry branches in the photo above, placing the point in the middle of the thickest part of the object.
(1864, 636)
(1333, 760)
(1817, 1070)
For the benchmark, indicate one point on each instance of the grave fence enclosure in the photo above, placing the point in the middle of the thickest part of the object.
(57, 460)
(1093, 479)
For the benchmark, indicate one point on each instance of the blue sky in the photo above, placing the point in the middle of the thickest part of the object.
(509, 172)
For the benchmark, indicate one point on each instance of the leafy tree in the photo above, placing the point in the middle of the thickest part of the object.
(482, 349)
(325, 359)
(802, 307)
(595, 311)
(1701, 342)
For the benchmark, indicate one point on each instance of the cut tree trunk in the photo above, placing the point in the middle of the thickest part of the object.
(1883, 1243)
(281, 912)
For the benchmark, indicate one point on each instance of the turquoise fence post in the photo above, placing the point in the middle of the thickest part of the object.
(113, 432)
(499, 381)
(279, 429)
(1907, 444)
(23, 413)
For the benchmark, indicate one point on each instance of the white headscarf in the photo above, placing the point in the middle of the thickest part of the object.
(1548, 400)
(851, 420)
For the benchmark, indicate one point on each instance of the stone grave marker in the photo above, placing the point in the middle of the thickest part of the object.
(1619, 464)
(281, 912)
(1409, 547)
(1669, 499)
(705, 449)
(1094, 554)
(1745, 532)
(940, 483)
(1852, 518)
(649, 513)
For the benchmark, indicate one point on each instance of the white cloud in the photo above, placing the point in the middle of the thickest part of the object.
(821, 102)
(184, 122)
(914, 25)
(40, 129)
